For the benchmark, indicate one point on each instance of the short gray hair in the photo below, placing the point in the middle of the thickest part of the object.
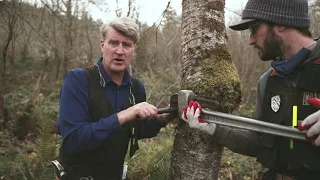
(126, 26)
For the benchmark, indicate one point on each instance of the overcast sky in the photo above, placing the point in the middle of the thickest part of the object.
(151, 10)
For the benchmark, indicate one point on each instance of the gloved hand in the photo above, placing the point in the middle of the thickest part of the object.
(191, 115)
(312, 123)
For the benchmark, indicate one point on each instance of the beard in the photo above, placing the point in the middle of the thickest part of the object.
(273, 47)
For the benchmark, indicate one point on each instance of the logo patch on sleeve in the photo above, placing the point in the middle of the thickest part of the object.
(307, 95)
(275, 103)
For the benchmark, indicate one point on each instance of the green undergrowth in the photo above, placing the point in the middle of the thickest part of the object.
(152, 161)
(24, 161)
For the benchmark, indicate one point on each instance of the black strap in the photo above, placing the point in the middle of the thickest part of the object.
(134, 146)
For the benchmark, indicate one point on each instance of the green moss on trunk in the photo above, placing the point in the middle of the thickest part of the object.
(219, 80)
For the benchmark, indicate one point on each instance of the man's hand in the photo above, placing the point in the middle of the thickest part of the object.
(312, 123)
(142, 110)
(191, 115)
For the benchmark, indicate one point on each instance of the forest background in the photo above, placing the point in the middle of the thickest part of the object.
(41, 42)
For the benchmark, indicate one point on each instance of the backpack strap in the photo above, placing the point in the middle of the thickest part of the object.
(136, 89)
(96, 84)
(263, 84)
(134, 98)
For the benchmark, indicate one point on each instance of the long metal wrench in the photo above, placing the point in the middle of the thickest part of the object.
(211, 116)
(251, 124)
(244, 123)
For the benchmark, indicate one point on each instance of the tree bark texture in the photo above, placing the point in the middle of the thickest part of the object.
(208, 71)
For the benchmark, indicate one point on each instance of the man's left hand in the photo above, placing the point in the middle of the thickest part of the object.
(191, 115)
(312, 123)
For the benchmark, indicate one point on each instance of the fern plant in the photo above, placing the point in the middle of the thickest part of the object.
(151, 160)
(45, 150)
(160, 170)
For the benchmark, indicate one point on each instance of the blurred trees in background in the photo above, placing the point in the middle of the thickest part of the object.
(40, 42)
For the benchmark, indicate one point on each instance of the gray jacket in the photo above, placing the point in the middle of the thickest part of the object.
(244, 141)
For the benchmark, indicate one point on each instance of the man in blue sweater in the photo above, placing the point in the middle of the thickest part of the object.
(103, 108)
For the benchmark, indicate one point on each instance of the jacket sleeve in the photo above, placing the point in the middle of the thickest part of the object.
(77, 130)
(148, 128)
(238, 140)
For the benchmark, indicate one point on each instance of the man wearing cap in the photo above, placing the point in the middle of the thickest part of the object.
(279, 32)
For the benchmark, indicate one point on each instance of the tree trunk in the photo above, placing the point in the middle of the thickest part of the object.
(11, 23)
(68, 37)
(207, 70)
(90, 50)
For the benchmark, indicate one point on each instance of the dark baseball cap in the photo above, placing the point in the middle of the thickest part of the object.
(243, 24)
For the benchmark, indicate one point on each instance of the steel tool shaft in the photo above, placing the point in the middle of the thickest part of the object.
(251, 124)
(244, 123)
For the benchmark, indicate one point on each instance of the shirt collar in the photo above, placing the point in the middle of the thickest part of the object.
(126, 78)
(287, 67)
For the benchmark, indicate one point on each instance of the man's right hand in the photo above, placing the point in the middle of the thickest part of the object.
(311, 124)
(141, 110)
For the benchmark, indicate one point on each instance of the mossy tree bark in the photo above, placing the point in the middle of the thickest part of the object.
(207, 70)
